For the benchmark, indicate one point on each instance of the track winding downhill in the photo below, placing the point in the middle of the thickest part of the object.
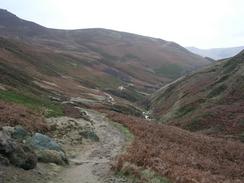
(93, 163)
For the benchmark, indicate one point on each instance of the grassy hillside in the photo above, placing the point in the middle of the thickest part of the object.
(94, 58)
(210, 101)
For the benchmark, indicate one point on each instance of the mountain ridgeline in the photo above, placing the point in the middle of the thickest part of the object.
(91, 58)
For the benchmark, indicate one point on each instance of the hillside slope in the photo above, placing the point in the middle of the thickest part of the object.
(216, 53)
(210, 100)
(95, 58)
(67, 74)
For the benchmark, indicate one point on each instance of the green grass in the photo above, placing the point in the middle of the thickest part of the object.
(153, 177)
(147, 175)
(230, 66)
(217, 91)
(103, 82)
(241, 122)
(128, 94)
(129, 136)
(185, 110)
(222, 79)
(39, 104)
(170, 70)
(127, 109)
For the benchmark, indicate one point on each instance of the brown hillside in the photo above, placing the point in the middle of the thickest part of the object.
(182, 156)
(113, 58)
(210, 101)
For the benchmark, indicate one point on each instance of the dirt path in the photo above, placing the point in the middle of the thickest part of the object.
(93, 162)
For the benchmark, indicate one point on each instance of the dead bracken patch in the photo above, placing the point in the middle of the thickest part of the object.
(71, 111)
(180, 155)
(13, 114)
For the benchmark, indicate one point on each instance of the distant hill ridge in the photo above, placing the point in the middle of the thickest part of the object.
(217, 53)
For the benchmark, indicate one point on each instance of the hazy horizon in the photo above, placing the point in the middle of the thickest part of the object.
(191, 23)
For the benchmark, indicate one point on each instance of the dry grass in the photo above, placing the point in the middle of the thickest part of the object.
(13, 114)
(180, 155)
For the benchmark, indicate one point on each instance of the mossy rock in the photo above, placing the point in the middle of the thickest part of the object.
(89, 134)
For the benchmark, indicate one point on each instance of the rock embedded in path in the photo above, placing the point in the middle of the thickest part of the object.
(52, 156)
(89, 134)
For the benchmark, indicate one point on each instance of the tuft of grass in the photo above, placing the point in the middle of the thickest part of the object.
(153, 177)
(137, 174)
(39, 104)
(129, 136)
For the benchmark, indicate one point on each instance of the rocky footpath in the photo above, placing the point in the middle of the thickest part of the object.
(80, 149)
(91, 160)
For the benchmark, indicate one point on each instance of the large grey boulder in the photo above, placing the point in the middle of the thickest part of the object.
(23, 157)
(20, 133)
(4, 160)
(47, 150)
(18, 154)
(8, 130)
(42, 142)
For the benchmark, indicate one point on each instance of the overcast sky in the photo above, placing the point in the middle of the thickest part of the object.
(200, 23)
